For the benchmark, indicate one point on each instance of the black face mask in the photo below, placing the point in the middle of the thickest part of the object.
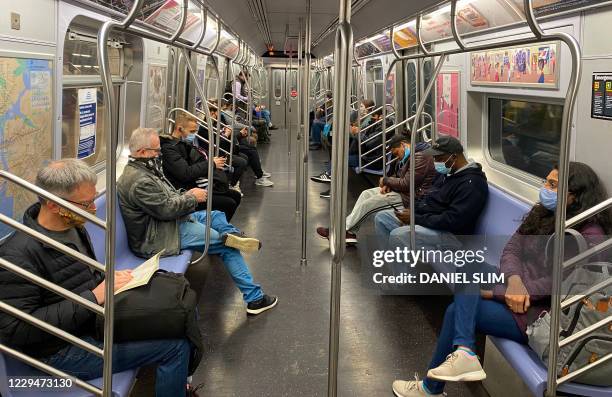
(152, 163)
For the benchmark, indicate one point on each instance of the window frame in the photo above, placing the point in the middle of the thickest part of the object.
(523, 176)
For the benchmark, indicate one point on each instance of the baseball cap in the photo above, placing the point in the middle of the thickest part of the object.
(444, 145)
(397, 140)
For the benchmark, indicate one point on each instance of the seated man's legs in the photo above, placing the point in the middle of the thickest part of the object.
(254, 161)
(425, 237)
(240, 163)
(265, 113)
(369, 202)
(315, 132)
(384, 223)
(170, 355)
(226, 202)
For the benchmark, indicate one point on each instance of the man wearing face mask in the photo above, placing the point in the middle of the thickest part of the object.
(392, 190)
(451, 208)
(157, 217)
(186, 167)
(75, 182)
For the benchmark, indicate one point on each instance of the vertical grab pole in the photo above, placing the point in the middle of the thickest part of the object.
(562, 189)
(298, 147)
(220, 88)
(415, 126)
(290, 126)
(111, 203)
(343, 59)
(210, 152)
(306, 131)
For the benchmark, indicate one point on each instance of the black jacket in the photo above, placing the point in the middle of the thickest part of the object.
(454, 202)
(183, 164)
(52, 265)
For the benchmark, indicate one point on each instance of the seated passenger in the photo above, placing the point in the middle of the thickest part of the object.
(451, 208)
(263, 132)
(75, 182)
(186, 167)
(265, 113)
(158, 217)
(507, 310)
(245, 146)
(316, 130)
(392, 190)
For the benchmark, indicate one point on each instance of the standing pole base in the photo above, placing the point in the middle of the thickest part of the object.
(303, 261)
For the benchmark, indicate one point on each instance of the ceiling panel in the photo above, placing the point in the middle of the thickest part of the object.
(281, 13)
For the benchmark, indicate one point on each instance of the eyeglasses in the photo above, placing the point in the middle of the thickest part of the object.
(87, 205)
(156, 150)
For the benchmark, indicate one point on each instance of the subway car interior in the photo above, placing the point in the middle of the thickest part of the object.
(305, 198)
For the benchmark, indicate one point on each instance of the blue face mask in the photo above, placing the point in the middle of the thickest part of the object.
(406, 154)
(441, 167)
(190, 138)
(548, 198)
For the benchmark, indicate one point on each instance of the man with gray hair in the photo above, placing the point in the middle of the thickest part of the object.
(75, 182)
(159, 217)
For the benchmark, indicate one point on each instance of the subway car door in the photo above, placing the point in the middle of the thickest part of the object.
(278, 97)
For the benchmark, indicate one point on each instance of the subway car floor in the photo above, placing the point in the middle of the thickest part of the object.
(284, 352)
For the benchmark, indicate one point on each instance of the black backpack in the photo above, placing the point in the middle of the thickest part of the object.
(165, 308)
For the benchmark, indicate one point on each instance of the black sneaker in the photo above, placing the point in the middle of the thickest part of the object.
(324, 177)
(260, 306)
(325, 194)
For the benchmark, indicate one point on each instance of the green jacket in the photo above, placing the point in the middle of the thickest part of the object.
(152, 211)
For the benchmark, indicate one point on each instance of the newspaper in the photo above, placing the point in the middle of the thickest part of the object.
(142, 274)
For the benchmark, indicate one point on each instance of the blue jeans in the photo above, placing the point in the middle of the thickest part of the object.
(266, 115)
(466, 316)
(193, 236)
(353, 161)
(394, 233)
(316, 129)
(170, 355)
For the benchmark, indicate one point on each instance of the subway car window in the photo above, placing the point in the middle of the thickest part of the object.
(71, 125)
(81, 56)
(525, 135)
(374, 81)
(277, 75)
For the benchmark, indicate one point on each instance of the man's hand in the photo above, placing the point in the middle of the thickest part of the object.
(354, 130)
(517, 297)
(486, 294)
(244, 132)
(227, 132)
(403, 216)
(122, 277)
(200, 194)
(219, 162)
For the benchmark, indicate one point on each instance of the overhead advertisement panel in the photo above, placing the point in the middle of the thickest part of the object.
(549, 7)
(601, 103)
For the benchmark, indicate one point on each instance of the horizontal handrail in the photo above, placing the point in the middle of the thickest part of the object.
(378, 159)
(52, 197)
(51, 242)
(587, 254)
(53, 330)
(48, 369)
(577, 298)
(232, 97)
(604, 205)
(36, 279)
(587, 367)
(585, 331)
(376, 123)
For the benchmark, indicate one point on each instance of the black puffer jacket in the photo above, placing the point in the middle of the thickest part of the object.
(183, 164)
(52, 265)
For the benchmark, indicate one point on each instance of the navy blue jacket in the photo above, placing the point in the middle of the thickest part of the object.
(454, 202)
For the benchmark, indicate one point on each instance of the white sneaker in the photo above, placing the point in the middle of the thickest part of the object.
(411, 388)
(263, 182)
(460, 366)
(236, 187)
(265, 174)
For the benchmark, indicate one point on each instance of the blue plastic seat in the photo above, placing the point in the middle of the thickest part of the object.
(125, 259)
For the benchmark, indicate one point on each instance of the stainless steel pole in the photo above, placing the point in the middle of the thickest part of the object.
(341, 121)
(306, 130)
(290, 125)
(298, 147)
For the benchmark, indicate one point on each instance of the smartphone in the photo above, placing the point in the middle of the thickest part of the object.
(394, 206)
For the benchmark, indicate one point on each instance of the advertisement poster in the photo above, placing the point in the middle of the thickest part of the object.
(390, 89)
(406, 37)
(534, 65)
(382, 42)
(601, 102)
(168, 17)
(447, 103)
(87, 122)
(549, 7)
(156, 97)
